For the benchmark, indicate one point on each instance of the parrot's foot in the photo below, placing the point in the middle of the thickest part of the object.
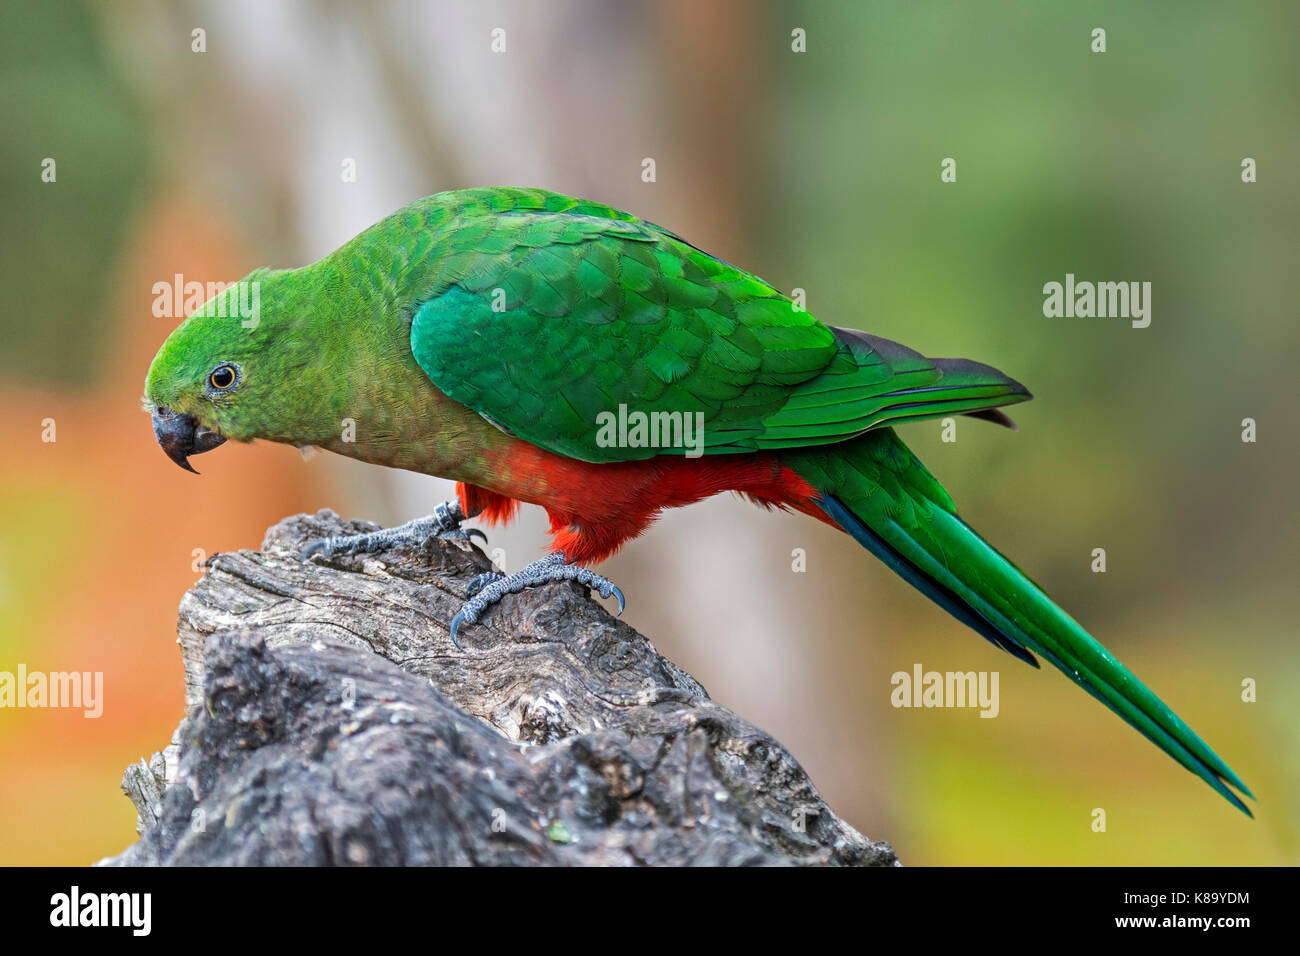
(443, 523)
(486, 589)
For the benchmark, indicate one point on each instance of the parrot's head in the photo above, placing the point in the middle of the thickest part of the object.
(221, 373)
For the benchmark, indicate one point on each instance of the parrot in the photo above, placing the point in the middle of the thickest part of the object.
(538, 348)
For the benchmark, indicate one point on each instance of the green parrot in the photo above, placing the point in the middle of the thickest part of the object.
(539, 348)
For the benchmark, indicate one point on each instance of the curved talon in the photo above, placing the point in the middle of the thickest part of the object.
(606, 588)
(470, 532)
(456, 622)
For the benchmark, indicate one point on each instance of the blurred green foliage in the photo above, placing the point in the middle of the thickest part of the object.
(1123, 165)
(60, 98)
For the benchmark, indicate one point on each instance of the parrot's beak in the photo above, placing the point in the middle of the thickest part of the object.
(181, 436)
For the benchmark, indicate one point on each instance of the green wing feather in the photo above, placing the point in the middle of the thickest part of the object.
(541, 318)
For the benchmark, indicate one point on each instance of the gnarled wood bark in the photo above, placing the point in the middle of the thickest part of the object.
(332, 721)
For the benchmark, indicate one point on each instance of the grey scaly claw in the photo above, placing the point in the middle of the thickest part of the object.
(480, 581)
(447, 518)
(489, 588)
(443, 523)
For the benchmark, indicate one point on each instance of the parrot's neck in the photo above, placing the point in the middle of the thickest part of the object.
(421, 430)
(357, 389)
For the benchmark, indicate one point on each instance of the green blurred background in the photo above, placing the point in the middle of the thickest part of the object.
(817, 170)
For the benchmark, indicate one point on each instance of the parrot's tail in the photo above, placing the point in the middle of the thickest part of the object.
(875, 489)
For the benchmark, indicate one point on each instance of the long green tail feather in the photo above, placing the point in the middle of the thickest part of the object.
(876, 490)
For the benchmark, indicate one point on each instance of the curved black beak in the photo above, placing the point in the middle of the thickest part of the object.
(181, 436)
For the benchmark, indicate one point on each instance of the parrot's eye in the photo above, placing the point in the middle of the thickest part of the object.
(222, 377)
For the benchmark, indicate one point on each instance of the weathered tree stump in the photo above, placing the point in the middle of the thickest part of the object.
(332, 721)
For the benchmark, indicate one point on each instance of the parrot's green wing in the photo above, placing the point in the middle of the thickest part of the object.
(542, 320)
